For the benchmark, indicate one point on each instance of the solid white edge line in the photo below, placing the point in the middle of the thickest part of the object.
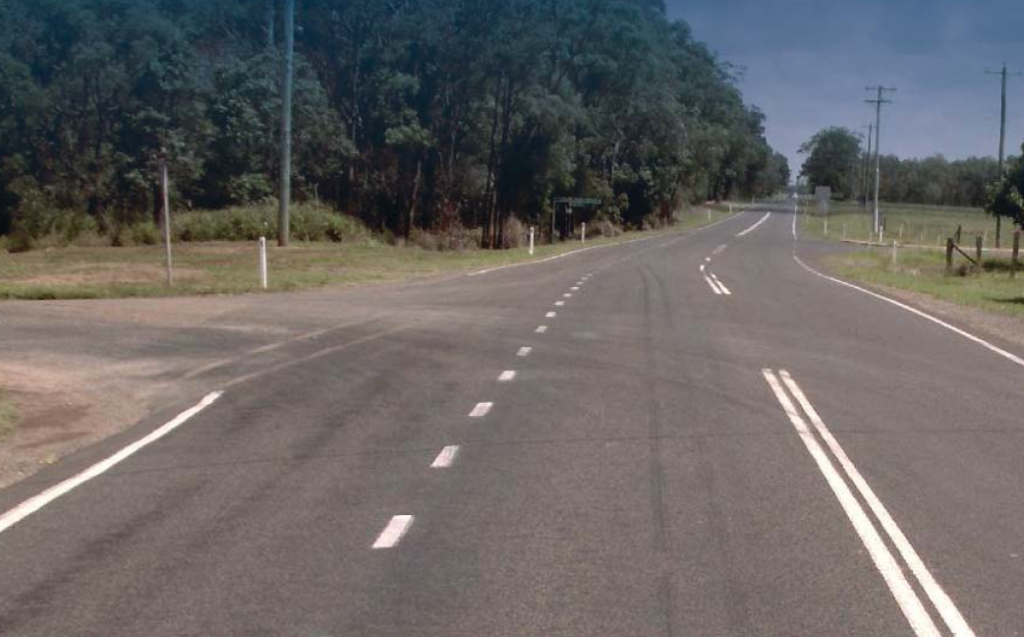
(507, 376)
(33, 504)
(446, 458)
(883, 559)
(726, 291)
(755, 226)
(712, 285)
(481, 410)
(1013, 358)
(393, 532)
(524, 351)
(947, 609)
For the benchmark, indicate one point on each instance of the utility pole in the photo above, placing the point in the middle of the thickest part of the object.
(1002, 134)
(284, 212)
(867, 165)
(878, 101)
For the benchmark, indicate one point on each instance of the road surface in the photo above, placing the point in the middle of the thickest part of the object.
(689, 435)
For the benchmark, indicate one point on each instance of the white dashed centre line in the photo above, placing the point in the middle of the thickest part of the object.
(524, 351)
(481, 410)
(725, 290)
(559, 303)
(567, 295)
(551, 315)
(507, 376)
(393, 532)
(575, 288)
(541, 329)
(446, 458)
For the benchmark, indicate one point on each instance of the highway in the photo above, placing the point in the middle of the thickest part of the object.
(691, 435)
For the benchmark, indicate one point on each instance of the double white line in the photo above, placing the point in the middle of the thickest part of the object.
(716, 286)
(886, 563)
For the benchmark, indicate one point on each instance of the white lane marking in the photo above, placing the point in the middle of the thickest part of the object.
(524, 351)
(1013, 358)
(711, 284)
(33, 504)
(754, 227)
(551, 315)
(481, 410)
(559, 303)
(446, 458)
(702, 266)
(707, 259)
(947, 609)
(719, 250)
(575, 288)
(541, 329)
(884, 560)
(725, 290)
(393, 532)
(507, 376)
(567, 295)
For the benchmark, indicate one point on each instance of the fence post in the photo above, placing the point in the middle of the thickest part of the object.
(977, 247)
(894, 257)
(1014, 264)
(949, 256)
(263, 262)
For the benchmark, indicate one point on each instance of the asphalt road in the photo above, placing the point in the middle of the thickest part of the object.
(707, 439)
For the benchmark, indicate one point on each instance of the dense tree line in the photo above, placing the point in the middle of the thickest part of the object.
(837, 158)
(410, 114)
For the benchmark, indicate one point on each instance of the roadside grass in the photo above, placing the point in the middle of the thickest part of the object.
(231, 267)
(923, 271)
(908, 223)
(7, 415)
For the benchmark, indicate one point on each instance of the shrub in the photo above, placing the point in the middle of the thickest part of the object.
(514, 233)
(145, 233)
(195, 226)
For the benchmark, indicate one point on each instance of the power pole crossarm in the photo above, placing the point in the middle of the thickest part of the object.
(878, 101)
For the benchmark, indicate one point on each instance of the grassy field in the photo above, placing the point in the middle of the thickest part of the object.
(7, 415)
(910, 224)
(230, 268)
(920, 263)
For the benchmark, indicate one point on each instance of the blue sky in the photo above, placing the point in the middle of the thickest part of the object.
(807, 64)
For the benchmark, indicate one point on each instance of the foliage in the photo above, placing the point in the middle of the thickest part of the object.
(455, 117)
(1005, 197)
(833, 156)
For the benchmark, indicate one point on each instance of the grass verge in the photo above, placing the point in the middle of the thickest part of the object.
(7, 415)
(910, 224)
(231, 267)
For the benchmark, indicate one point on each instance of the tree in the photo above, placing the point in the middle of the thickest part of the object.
(833, 155)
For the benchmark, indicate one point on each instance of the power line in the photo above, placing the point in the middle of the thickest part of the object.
(1002, 134)
(878, 101)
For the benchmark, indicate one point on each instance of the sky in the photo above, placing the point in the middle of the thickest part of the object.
(806, 65)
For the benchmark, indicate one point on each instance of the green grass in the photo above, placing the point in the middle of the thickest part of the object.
(916, 224)
(230, 267)
(7, 416)
(923, 271)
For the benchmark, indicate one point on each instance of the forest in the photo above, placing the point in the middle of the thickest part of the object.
(412, 116)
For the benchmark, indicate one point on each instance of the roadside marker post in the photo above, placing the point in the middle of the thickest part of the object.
(531, 241)
(263, 262)
(895, 259)
(709, 214)
(583, 232)
(166, 195)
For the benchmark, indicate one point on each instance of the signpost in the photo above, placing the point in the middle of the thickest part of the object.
(567, 204)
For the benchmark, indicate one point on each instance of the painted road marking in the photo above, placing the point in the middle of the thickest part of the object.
(575, 288)
(947, 609)
(524, 351)
(754, 227)
(567, 295)
(559, 303)
(481, 410)
(711, 284)
(725, 290)
(719, 250)
(446, 458)
(891, 571)
(707, 259)
(507, 376)
(1013, 358)
(541, 329)
(393, 532)
(33, 504)
(551, 315)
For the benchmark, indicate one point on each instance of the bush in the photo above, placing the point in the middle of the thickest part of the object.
(145, 234)
(195, 226)
(514, 233)
(603, 228)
